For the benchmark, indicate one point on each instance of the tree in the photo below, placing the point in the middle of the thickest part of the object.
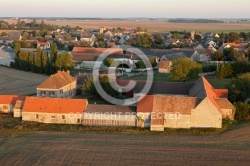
(245, 76)
(229, 53)
(32, 62)
(42, 24)
(234, 37)
(238, 90)
(225, 71)
(159, 39)
(84, 44)
(33, 24)
(176, 36)
(107, 87)
(244, 35)
(17, 49)
(183, 69)
(242, 111)
(38, 60)
(108, 61)
(138, 29)
(4, 34)
(240, 57)
(68, 37)
(53, 52)
(197, 37)
(143, 40)
(64, 61)
(218, 56)
(88, 86)
(141, 64)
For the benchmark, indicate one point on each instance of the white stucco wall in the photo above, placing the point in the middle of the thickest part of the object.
(98, 119)
(6, 108)
(52, 117)
(177, 120)
(206, 115)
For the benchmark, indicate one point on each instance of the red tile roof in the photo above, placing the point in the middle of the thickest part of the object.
(165, 64)
(96, 50)
(42, 43)
(57, 81)
(10, 99)
(224, 103)
(172, 104)
(146, 104)
(221, 93)
(54, 105)
(157, 118)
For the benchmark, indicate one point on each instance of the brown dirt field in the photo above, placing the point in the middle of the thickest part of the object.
(152, 26)
(47, 148)
(19, 82)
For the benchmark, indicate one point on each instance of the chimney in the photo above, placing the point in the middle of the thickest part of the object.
(68, 71)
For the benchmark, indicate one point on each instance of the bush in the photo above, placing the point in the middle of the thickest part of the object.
(209, 68)
(78, 91)
(242, 111)
(225, 71)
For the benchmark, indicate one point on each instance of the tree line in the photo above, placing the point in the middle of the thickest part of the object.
(43, 62)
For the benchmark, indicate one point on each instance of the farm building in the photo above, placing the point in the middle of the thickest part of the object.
(53, 110)
(165, 66)
(109, 115)
(17, 111)
(203, 107)
(59, 85)
(7, 102)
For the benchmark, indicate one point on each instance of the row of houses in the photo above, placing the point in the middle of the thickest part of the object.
(167, 105)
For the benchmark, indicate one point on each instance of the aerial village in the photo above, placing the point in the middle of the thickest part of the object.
(176, 104)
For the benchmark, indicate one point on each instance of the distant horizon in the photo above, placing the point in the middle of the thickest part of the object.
(75, 17)
(127, 9)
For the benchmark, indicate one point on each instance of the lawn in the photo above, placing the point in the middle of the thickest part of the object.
(98, 100)
(158, 77)
(162, 77)
(218, 83)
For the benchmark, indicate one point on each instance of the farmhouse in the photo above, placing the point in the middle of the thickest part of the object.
(87, 57)
(59, 85)
(53, 110)
(164, 67)
(109, 115)
(43, 45)
(7, 102)
(203, 107)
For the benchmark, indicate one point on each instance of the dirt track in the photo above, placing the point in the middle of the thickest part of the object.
(19, 82)
(46, 148)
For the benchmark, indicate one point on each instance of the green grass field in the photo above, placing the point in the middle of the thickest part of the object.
(158, 77)
(162, 77)
(218, 83)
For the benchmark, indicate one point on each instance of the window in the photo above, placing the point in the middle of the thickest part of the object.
(51, 93)
(53, 117)
(37, 116)
(63, 116)
(78, 120)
